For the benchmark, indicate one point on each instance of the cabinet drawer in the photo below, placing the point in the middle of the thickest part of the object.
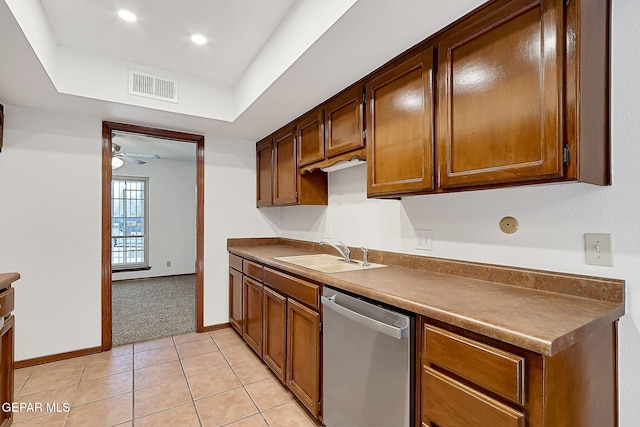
(6, 302)
(252, 269)
(235, 262)
(299, 289)
(494, 369)
(447, 402)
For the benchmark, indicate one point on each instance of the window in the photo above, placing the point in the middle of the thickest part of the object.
(129, 223)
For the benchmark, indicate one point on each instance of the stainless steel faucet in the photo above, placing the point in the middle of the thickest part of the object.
(344, 250)
(365, 257)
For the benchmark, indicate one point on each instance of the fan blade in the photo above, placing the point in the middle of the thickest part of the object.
(130, 159)
(143, 155)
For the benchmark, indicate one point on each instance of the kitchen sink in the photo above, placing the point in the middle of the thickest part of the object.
(326, 263)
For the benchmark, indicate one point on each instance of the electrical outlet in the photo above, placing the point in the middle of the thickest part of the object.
(424, 240)
(168, 263)
(597, 249)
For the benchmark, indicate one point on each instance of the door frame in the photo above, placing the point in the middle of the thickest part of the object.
(107, 131)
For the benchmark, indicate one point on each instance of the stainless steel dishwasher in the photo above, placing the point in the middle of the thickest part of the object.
(367, 363)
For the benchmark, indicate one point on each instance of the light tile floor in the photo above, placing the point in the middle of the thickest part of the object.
(208, 379)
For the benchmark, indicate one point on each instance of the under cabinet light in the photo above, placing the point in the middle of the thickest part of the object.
(343, 165)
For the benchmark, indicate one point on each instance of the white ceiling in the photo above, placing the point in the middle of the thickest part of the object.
(167, 149)
(266, 63)
(236, 31)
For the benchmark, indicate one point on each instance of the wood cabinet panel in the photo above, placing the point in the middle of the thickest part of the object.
(400, 156)
(303, 354)
(7, 341)
(264, 167)
(577, 386)
(310, 133)
(587, 90)
(6, 302)
(486, 366)
(285, 171)
(303, 291)
(500, 93)
(278, 181)
(235, 299)
(449, 403)
(581, 382)
(235, 262)
(253, 269)
(252, 316)
(344, 122)
(275, 332)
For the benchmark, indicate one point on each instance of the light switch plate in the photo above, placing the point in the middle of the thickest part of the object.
(424, 240)
(597, 249)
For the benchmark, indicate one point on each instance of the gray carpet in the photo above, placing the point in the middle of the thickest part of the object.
(146, 309)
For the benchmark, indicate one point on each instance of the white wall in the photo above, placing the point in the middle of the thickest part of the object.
(171, 195)
(50, 229)
(230, 211)
(553, 218)
(50, 225)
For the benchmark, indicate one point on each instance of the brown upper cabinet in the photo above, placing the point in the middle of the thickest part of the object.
(500, 94)
(344, 129)
(278, 181)
(400, 128)
(264, 165)
(516, 92)
(285, 170)
(310, 131)
(502, 113)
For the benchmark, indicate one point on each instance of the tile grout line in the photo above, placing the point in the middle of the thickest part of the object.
(175, 344)
(193, 401)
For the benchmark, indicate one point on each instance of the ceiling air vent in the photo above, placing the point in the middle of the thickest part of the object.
(153, 87)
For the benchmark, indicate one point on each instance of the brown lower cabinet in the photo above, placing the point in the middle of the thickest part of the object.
(275, 332)
(6, 371)
(468, 380)
(463, 379)
(303, 354)
(6, 354)
(252, 311)
(281, 323)
(235, 299)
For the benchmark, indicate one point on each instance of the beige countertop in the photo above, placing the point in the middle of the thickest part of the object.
(542, 321)
(6, 279)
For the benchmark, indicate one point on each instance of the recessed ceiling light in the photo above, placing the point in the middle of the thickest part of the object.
(198, 39)
(127, 16)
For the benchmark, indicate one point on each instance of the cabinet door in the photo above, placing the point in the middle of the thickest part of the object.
(310, 131)
(275, 332)
(6, 370)
(264, 168)
(343, 122)
(303, 354)
(499, 98)
(252, 307)
(400, 128)
(235, 299)
(285, 170)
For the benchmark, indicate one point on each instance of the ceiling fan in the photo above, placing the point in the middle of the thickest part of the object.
(118, 158)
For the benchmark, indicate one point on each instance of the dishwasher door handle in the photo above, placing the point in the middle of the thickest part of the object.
(390, 330)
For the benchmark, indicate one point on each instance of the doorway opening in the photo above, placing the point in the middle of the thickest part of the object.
(127, 225)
